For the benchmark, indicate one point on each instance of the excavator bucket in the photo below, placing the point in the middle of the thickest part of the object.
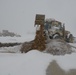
(39, 41)
(39, 19)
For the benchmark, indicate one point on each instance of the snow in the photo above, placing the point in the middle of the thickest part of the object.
(67, 62)
(28, 37)
(15, 49)
(32, 63)
(73, 46)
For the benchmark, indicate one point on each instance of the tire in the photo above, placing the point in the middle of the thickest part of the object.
(50, 37)
(56, 36)
(70, 38)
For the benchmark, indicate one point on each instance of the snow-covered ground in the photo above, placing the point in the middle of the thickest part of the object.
(28, 37)
(33, 62)
(15, 49)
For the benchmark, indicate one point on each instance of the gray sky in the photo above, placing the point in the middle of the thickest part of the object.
(18, 15)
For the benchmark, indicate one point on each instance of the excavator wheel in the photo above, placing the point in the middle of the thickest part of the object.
(70, 38)
(56, 36)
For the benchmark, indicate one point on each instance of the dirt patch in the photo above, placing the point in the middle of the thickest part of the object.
(26, 46)
(39, 41)
(54, 46)
(54, 69)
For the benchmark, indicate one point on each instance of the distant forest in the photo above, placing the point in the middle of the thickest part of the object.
(7, 33)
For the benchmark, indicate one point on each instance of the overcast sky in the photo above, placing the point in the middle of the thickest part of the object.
(19, 15)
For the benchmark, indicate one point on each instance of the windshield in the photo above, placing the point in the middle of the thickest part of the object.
(53, 25)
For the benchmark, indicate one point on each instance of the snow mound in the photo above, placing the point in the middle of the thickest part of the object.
(15, 49)
(31, 63)
(58, 47)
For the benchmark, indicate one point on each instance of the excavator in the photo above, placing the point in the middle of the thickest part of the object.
(51, 28)
(47, 29)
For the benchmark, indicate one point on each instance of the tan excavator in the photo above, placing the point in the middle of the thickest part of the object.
(49, 28)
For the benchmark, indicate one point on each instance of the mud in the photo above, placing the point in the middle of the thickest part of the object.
(55, 69)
